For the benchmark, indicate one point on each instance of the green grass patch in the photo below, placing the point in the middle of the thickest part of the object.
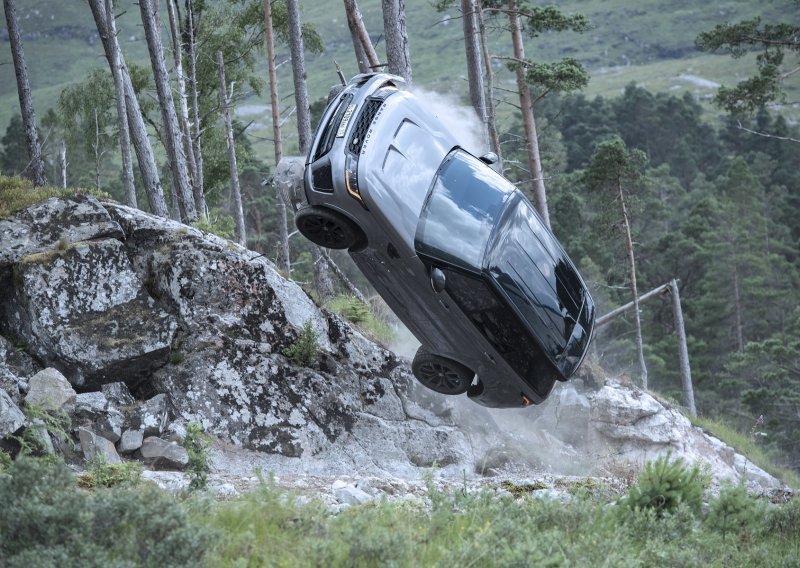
(746, 445)
(362, 316)
(18, 193)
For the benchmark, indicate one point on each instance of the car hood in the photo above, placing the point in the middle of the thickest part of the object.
(399, 159)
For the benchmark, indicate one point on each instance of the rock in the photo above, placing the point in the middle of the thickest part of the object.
(161, 453)
(11, 417)
(349, 494)
(131, 441)
(93, 411)
(153, 415)
(50, 390)
(118, 394)
(54, 223)
(95, 446)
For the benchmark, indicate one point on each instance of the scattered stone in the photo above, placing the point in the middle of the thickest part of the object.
(130, 441)
(349, 494)
(11, 417)
(153, 415)
(94, 446)
(163, 454)
(51, 390)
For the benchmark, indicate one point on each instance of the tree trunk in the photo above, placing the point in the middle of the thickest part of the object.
(169, 118)
(141, 143)
(737, 310)
(526, 107)
(62, 160)
(197, 146)
(297, 49)
(322, 280)
(186, 133)
(122, 113)
(632, 266)
(97, 153)
(35, 167)
(472, 50)
(683, 351)
(394, 28)
(491, 124)
(236, 193)
(366, 56)
(284, 260)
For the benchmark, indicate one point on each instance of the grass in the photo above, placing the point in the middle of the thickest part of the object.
(747, 446)
(18, 193)
(362, 316)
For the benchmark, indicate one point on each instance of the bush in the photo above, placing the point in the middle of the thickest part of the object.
(196, 443)
(733, 511)
(357, 312)
(664, 485)
(102, 474)
(46, 521)
(305, 349)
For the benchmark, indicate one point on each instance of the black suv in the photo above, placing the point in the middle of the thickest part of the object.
(456, 251)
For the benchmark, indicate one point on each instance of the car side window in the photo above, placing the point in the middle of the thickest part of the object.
(463, 207)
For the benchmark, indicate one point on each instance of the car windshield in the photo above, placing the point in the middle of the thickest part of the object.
(462, 209)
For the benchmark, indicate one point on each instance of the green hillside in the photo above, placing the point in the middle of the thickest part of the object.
(651, 43)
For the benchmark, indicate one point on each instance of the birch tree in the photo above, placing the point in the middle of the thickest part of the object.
(172, 135)
(394, 27)
(236, 193)
(616, 171)
(122, 112)
(322, 279)
(284, 260)
(35, 168)
(138, 130)
(183, 117)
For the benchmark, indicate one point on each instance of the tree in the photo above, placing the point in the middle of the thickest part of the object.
(617, 171)
(185, 126)
(141, 142)
(394, 28)
(172, 135)
(236, 194)
(365, 52)
(322, 280)
(284, 260)
(35, 167)
(775, 41)
(122, 113)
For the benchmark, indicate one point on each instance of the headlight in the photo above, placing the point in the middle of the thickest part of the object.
(351, 179)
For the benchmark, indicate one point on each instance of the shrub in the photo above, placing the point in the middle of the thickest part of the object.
(305, 349)
(196, 443)
(663, 485)
(733, 511)
(357, 312)
(46, 521)
(102, 474)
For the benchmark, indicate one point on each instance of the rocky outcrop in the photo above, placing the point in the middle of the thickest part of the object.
(138, 326)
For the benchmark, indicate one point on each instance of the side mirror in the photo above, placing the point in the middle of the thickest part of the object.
(489, 158)
(438, 280)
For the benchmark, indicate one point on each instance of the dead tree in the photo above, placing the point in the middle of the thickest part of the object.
(472, 50)
(138, 130)
(122, 112)
(394, 27)
(195, 131)
(491, 123)
(172, 135)
(366, 55)
(62, 161)
(284, 260)
(35, 167)
(528, 121)
(236, 193)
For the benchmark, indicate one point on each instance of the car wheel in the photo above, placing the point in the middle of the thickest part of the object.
(329, 229)
(439, 374)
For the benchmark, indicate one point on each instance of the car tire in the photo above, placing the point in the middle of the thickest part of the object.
(329, 229)
(439, 374)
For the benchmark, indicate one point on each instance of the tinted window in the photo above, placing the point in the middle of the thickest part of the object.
(500, 326)
(461, 210)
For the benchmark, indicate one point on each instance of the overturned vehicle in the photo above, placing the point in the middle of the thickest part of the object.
(454, 248)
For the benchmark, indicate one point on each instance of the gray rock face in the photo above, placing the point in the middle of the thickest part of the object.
(50, 390)
(11, 417)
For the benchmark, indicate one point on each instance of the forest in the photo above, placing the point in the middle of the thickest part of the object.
(709, 187)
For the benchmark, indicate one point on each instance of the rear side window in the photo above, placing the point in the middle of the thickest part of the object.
(463, 207)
